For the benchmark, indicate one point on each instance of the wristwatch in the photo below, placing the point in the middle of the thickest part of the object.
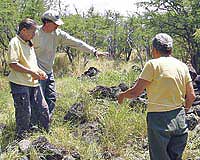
(95, 53)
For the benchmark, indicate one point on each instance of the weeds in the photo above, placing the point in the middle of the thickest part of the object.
(123, 132)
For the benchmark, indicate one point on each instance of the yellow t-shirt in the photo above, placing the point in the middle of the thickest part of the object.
(168, 77)
(20, 52)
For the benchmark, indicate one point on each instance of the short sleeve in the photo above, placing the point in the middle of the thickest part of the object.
(147, 72)
(13, 55)
(188, 77)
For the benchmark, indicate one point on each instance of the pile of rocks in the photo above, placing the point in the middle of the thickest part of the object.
(46, 150)
(141, 101)
(111, 93)
(89, 130)
(90, 73)
(76, 114)
(136, 69)
(193, 115)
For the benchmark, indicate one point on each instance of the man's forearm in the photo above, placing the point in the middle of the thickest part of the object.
(20, 68)
(190, 96)
(188, 104)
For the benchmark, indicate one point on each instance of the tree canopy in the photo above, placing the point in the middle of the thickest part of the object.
(121, 36)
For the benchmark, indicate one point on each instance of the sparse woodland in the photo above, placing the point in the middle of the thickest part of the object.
(101, 129)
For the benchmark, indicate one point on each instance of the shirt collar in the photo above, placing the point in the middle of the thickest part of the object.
(23, 41)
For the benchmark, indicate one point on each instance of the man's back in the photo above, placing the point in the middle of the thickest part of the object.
(168, 77)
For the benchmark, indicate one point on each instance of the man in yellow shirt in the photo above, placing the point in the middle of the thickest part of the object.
(169, 88)
(30, 105)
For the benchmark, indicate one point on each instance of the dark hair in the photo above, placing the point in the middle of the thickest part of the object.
(26, 23)
(45, 20)
(163, 48)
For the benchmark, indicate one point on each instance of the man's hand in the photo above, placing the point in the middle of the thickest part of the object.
(135, 91)
(101, 54)
(35, 75)
(42, 74)
(120, 98)
(39, 75)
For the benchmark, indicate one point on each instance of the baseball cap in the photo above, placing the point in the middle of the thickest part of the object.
(163, 41)
(53, 16)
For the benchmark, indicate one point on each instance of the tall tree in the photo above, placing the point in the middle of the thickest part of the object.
(180, 19)
(11, 13)
(31, 8)
(9, 17)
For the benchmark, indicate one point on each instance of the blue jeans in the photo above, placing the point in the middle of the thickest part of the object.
(30, 108)
(49, 91)
(167, 134)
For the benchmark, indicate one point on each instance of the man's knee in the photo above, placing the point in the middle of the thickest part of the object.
(176, 146)
(22, 112)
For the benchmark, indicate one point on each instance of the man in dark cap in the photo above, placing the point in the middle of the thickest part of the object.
(46, 40)
(169, 88)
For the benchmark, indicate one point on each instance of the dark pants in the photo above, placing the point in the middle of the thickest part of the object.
(30, 108)
(167, 134)
(49, 91)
